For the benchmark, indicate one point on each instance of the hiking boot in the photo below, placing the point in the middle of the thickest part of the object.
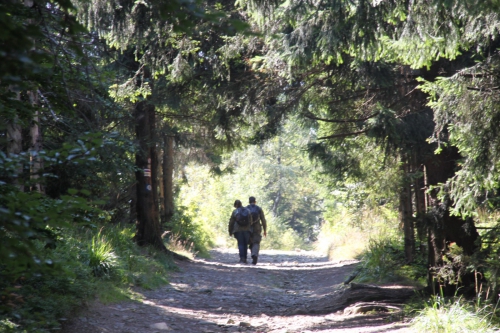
(244, 260)
(241, 261)
(254, 260)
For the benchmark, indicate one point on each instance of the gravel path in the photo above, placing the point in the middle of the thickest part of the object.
(219, 295)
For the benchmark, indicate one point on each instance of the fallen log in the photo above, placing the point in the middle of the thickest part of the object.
(364, 307)
(357, 293)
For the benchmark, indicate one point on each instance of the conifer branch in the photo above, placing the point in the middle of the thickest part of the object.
(343, 135)
(311, 116)
(483, 89)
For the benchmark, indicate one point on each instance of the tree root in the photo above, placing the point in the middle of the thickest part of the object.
(359, 298)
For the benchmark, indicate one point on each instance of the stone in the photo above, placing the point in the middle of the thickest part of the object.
(160, 326)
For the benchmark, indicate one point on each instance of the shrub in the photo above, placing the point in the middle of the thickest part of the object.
(187, 227)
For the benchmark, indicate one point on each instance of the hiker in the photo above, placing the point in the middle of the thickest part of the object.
(259, 223)
(239, 226)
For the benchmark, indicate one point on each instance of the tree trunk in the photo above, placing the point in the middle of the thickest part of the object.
(15, 144)
(133, 203)
(148, 226)
(168, 174)
(405, 213)
(420, 209)
(444, 229)
(277, 199)
(36, 163)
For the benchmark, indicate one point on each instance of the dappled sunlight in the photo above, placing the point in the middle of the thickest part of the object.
(217, 295)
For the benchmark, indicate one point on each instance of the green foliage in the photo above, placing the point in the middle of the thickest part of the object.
(59, 89)
(130, 264)
(40, 298)
(466, 98)
(188, 228)
(281, 237)
(86, 263)
(446, 316)
(29, 217)
(384, 261)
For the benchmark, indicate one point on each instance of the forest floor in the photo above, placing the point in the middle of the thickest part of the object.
(287, 291)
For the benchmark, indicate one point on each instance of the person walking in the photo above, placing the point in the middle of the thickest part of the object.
(259, 224)
(239, 225)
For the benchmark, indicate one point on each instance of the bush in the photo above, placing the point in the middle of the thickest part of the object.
(41, 297)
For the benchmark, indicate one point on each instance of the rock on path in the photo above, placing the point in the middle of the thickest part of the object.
(219, 295)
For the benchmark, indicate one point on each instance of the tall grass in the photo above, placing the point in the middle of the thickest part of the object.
(177, 244)
(442, 316)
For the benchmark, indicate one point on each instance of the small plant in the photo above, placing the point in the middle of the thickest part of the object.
(101, 257)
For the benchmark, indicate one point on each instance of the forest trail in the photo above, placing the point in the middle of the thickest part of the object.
(218, 295)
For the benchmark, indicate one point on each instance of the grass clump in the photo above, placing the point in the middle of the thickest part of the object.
(101, 257)
(442, 316)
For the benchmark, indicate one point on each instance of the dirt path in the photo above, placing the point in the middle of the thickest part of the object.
(218, 295)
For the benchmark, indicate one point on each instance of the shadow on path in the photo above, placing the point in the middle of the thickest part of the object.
(219, 295)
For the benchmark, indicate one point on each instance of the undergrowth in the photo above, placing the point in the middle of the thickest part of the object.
(383, 260)
(85, 263)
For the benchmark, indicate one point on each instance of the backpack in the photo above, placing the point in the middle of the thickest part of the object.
(243, 217)
(255, 211)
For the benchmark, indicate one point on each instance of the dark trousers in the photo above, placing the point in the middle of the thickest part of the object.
(243, 238)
